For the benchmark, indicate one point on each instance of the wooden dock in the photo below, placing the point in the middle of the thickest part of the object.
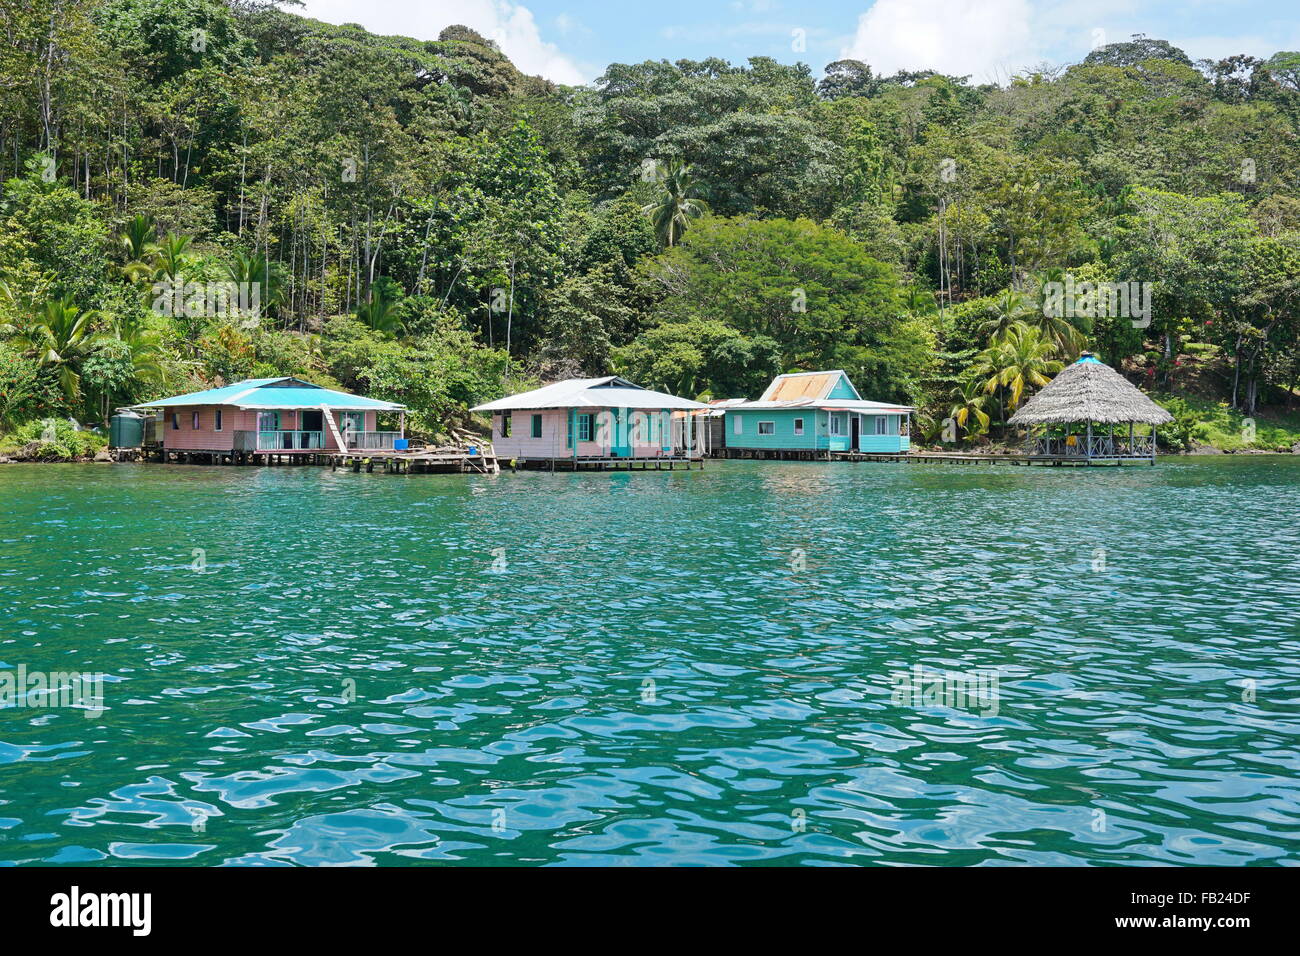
(388, 461)
(958, 458)
(664, 463)
(416, 462)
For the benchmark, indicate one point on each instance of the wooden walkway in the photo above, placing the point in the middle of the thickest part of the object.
(666, 463)
(957, 458)
(414, 461)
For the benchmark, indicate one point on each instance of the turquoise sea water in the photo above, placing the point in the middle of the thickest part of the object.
(306, 667)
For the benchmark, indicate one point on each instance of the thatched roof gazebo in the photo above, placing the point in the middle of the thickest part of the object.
(1061, 417)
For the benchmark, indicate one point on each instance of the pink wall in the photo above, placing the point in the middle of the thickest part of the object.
(207, 438)
(552, 444)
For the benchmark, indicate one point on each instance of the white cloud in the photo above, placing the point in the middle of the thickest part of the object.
(510, 24)
(985, 39)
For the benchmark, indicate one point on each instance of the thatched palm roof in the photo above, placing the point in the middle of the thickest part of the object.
(1090, 391)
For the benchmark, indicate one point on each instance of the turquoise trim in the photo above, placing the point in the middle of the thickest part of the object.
(843, 389)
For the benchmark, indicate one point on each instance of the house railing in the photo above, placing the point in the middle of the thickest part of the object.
(279, 440)
(298, 440)
(1098, 446)
(371, 441)
(288, 440)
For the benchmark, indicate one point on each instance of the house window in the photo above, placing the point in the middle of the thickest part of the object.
(194, 419)
(176, 421)
(837, 424)
(505, 425)
(738, 425)
(882, 425)
(585, 427)
(798, 426)
(767, 428)
(268, 421)
(537, 426)
(216, 420)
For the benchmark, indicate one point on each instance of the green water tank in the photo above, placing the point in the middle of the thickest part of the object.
(126, 429)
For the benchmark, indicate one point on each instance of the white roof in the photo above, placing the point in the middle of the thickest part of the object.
(835, 404)
(607, 392)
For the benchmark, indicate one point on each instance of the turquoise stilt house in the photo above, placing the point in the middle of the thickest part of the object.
(815, 415)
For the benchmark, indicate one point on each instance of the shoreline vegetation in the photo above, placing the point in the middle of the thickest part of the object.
(196, 192)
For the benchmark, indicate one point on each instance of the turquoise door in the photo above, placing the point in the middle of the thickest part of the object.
(622, 442)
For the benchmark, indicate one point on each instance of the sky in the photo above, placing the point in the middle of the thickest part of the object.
(571, 41)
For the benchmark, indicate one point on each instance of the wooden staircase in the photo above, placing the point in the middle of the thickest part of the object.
(334, 428)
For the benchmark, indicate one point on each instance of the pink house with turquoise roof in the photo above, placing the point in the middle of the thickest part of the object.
(274, 416)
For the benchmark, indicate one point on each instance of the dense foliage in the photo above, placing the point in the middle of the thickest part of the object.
(421, 221)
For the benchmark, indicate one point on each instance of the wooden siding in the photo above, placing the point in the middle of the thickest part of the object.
(207, 438)
(647, 441)
(843, 389)
(814, 427)
(816, 438)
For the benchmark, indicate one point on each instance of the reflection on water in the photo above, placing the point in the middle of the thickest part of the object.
(306, 667)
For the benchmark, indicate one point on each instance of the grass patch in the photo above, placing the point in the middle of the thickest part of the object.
(1203, 421)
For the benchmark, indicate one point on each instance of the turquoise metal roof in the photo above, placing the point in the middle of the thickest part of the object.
(275, 393)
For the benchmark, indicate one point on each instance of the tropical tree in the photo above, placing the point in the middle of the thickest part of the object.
(379, 311)
(259, 274)
(173, 257)
(1010, 307)
(1015, 361)
(60, 337)
(968, 408)
(138, 242)
(678, 203)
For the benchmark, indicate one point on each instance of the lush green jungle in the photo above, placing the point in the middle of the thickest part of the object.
(196, 192)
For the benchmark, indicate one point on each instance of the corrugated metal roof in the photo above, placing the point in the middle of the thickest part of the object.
(273, 393)
(790, 387)
(796, 385)
(607, 392)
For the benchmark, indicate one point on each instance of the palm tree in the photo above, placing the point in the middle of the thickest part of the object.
(379, 311)
(1065, 335)
(919, 300)
(677, 205)
(1014, 361)
(1011, 307)
(61, 337)
(138, 243)
(969, 401)
(259, 274)
(173, 258)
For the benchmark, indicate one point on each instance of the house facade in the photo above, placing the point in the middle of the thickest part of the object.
(595, 419)
(813, 414)
(280, 416)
